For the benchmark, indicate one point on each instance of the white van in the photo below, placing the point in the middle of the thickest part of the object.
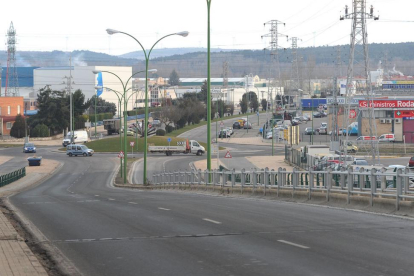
(80, 136)
(386, 138)
(75, 150)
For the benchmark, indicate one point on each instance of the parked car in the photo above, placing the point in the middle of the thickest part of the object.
(231, 130)
(309, 131)
(156, 122)
(339, 132)
(360, 162)
(317, 115)
(237, 125)
(386, 138)
(323, 130)
(247, 125)
(306, 118)
(411, 162)
(29, 147)
(223, 134)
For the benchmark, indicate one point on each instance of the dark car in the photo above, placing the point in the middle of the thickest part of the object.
(309, 131)
(236, 125)
(29, 147)
(411, 162)
(317, 115)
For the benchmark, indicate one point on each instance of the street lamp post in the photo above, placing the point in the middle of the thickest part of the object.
(208, 91)
(147, 56)
(125, 99)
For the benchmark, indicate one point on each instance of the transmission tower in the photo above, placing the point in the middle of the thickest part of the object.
(226, 78)
(12, 82)
(273, 49)
(359, 35)
(296, 81)
(334, 106)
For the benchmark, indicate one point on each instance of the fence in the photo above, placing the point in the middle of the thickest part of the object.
(371, 184)
(11, 177)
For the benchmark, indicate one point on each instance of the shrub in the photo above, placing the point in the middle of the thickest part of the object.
(169, 129)
(160, 132)
(40, 130)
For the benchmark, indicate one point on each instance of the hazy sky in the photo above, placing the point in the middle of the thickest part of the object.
(47, 25)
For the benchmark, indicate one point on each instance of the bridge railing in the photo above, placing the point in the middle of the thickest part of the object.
(372, 184)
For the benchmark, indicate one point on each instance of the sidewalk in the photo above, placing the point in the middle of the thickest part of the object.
(260, 162)
(16, 258)
(250, 141)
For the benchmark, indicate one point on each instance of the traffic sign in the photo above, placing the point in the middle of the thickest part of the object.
(121, 154)
(228, 155)
(169, 140)
(132, 143)
(352, 113)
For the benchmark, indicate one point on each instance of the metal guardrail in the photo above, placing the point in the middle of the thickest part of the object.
(371, 184)
(6, 179)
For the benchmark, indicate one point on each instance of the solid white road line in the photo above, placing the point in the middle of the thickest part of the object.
(165, 209)
(213, 221)
(293, 244)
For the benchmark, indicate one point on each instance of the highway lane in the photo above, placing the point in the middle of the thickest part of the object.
(108, 231)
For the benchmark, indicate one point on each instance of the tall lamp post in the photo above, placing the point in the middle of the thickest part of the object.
(147, 56)
(125, 99)
(208, 91)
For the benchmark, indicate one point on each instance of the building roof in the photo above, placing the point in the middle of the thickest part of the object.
(57, 68)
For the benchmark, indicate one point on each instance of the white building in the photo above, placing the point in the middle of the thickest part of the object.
(84, 79)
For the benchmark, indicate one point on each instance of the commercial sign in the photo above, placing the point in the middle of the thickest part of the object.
(403, 113)
(352, 113)
(343, 100)
(387, 104)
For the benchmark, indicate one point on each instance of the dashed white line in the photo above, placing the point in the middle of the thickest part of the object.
(293, 244)
(132, 203)
(165, 209)
(96, 195)
(111, 199)
(213, 221)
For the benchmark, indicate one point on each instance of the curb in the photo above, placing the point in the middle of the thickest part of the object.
(58, 258)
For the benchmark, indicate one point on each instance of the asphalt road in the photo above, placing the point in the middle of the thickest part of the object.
(108, 231)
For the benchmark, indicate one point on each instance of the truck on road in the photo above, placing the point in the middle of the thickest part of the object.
(112, 126)
(188, 146)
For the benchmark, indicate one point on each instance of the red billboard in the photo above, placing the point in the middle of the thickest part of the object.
(387, 104)
(403, 113)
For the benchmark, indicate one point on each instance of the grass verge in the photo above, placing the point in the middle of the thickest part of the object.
(177, 132)
(10, 145)
(113, 144)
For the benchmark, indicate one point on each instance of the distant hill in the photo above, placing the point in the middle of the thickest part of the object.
(156, 53)
(317, 62)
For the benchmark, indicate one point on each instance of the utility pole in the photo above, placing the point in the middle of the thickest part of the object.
(359, 15)
(295, 74)
(68, 88)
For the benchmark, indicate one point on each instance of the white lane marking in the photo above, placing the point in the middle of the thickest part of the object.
(132, 203)
(165, 209)
(293, 244)
(213, 221)
(96, 195)
(111, 199)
